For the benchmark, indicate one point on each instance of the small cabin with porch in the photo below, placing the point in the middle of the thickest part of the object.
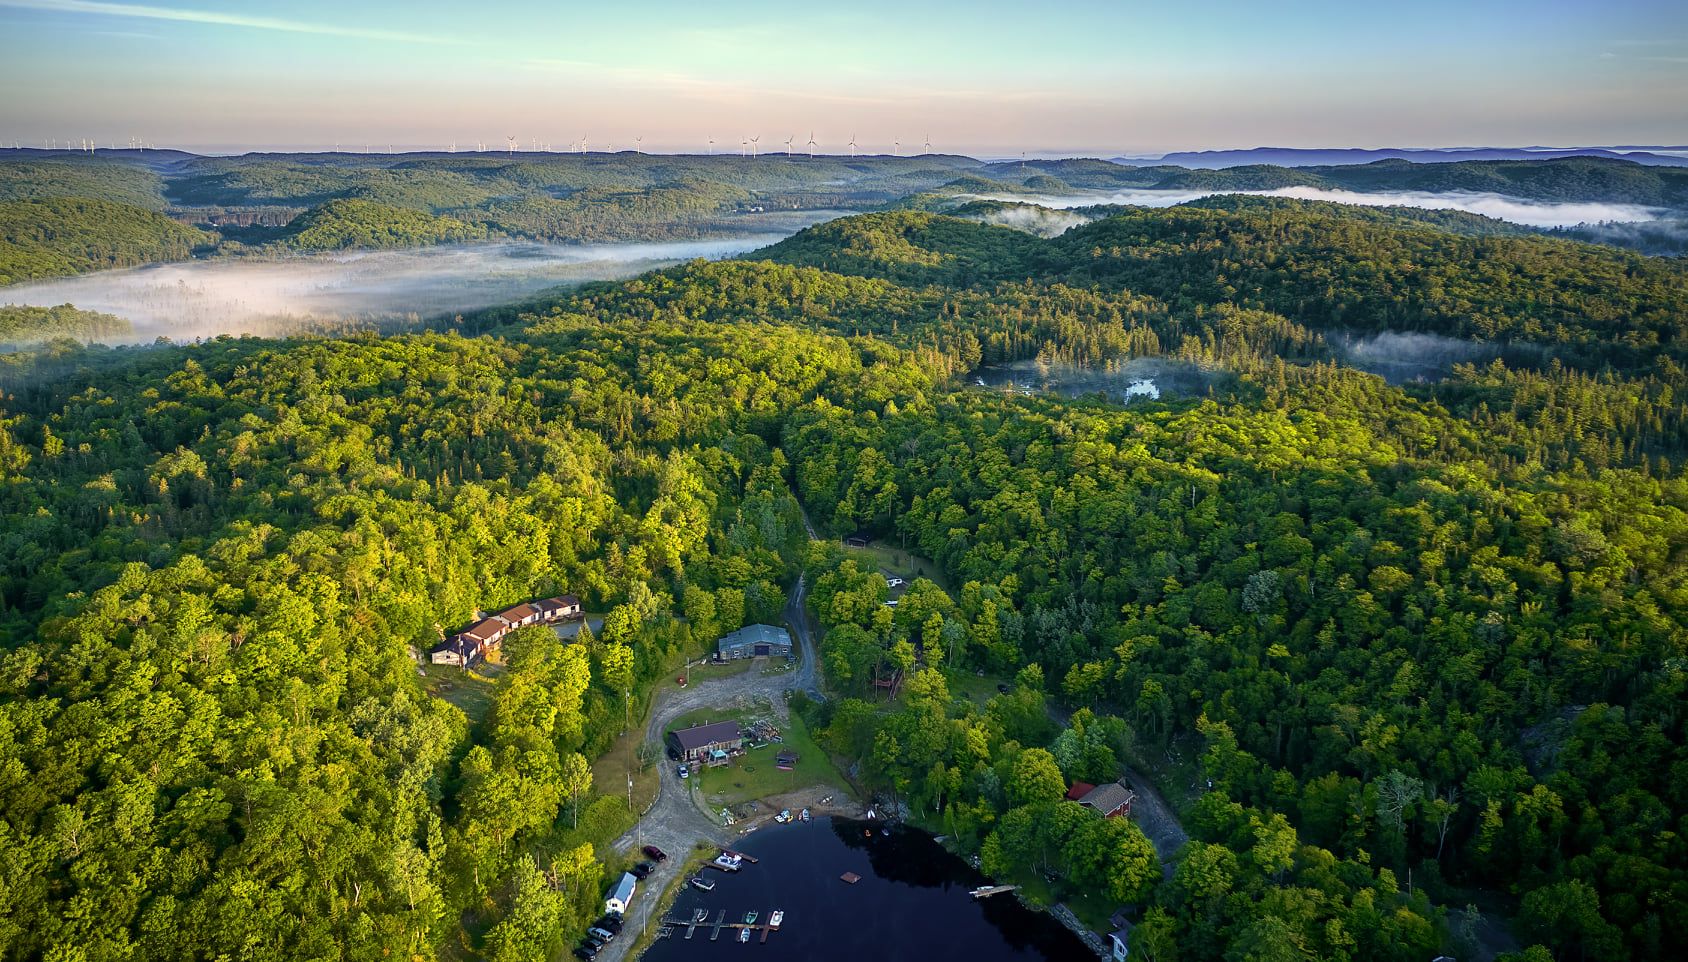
(1112, 800)
(712, 743)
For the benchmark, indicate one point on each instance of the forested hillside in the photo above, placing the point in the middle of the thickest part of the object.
(342, 224)
(1413, 647)
(49, 238)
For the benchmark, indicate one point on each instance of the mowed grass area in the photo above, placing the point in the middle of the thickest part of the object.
(754, 775)
(974, 687)
(470, 690)
(610, 770)
(904, 564)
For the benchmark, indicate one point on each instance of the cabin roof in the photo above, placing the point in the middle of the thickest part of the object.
(1108, 798)
(694, 738)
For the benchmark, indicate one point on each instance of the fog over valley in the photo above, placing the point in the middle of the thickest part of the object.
(1516, 210)
(206, 298)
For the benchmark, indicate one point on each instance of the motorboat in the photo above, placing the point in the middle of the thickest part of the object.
(775, 919)
(804, 815)
(744, 935)
(750, 917)
(702, 884)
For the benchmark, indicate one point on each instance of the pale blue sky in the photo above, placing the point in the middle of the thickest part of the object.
(987, 77)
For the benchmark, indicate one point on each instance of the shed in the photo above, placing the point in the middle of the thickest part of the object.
(622, 895)
(1120, 940)
(858, 539)
(754, 641)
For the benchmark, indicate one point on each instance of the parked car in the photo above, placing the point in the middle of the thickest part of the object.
(585, 952)
(673, 754)
(642, 869)
(656, 853)
(1002, 687)
(603, 934)
(609, 923)
(592, 942)
(685, 770)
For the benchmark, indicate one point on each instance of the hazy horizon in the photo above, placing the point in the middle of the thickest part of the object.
(1084, 78)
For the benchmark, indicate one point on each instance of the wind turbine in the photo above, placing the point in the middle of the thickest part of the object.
(852, 145)
(753, 142)
(638, 145)
(712, 146)
(511, 140)
(744, 147)
(896, 148)
(811, 144)
(928, 144)
(788, 141)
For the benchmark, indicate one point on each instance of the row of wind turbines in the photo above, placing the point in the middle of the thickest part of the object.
(748, 146)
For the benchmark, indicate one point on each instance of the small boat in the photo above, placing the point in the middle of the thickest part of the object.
(744, 935)
(885, 832)
(750, 917)
(805, 815)
(702, 884)
(775, 919)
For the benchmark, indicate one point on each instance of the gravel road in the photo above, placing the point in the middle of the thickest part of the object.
(677, 820)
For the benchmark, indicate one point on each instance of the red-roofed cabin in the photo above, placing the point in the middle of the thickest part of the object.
(1079, 790)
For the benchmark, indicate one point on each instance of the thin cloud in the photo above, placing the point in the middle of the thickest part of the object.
(142, 12)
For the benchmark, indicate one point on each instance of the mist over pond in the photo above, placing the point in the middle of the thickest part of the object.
(1121, 379)
(284, 295)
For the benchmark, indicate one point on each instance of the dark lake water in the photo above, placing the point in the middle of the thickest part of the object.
(910, 906)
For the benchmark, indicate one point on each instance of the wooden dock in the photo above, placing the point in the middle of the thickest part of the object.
(748, 858)
(986, 891)
(670, 923)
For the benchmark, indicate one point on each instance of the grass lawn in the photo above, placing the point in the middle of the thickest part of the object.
(469, 690)
(905, 564)
(754, 774)
(974, 687)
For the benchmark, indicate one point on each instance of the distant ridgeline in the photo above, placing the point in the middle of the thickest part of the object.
(1388, 651)
(276, 203)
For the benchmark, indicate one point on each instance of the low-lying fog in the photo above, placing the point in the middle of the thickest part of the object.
(1527, 212)
(206, 298)
(1123, 379)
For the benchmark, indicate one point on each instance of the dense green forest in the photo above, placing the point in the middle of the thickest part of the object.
(35, 324)
(49, 238)
(342, 224)
(1416, 647)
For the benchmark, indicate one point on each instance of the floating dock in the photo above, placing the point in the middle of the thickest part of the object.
(692, 925)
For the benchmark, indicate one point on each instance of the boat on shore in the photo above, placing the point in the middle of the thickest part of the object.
(804, 815)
